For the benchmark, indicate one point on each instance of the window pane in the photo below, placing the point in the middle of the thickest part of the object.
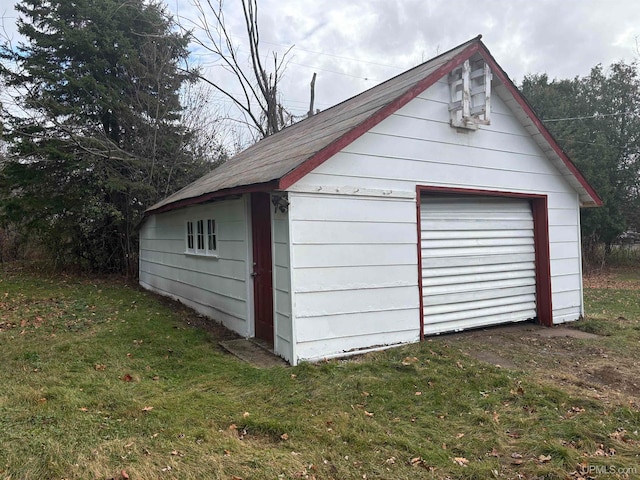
(200, 236)
(211, 235)
(189, 235)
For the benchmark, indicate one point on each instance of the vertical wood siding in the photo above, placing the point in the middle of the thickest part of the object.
(415, 145)
(215, 287)
(354, 273)
(283, 338)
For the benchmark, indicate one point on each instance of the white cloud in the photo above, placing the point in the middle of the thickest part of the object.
(354, 44)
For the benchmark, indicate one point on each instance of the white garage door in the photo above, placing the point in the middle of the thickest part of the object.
(478, 262)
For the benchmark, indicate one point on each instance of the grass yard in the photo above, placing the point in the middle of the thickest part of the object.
(101, 380)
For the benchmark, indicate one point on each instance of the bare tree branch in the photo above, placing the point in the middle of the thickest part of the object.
(258, 101)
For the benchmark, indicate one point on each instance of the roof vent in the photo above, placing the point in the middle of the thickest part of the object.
(470, 86)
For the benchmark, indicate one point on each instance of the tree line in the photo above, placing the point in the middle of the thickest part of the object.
(109, 116)
(596, 120)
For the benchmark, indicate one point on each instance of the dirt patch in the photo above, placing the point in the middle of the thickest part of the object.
(620, 375)
(562, 355)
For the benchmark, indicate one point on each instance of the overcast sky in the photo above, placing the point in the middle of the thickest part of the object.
(355, 44)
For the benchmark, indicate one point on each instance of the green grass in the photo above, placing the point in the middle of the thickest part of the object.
(615, 312)
(83, 359)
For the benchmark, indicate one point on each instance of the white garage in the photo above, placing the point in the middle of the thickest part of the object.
(434, 202)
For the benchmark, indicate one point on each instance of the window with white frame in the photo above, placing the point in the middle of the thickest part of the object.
(201, 237)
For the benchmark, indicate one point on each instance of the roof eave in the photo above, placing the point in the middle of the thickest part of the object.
(542, 129)
(218, 194)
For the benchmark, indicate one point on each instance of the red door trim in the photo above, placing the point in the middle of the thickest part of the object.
(262, 266)
(539, 210)
(419, 225)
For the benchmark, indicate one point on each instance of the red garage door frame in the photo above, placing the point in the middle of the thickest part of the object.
(539, 209)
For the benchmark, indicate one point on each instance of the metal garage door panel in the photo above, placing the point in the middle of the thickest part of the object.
(478, 262)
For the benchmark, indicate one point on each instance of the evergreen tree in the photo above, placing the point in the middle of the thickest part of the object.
(99, 137)
(596, 119)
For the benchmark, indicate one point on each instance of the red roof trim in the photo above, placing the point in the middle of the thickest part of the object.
(258, 187)
(320, 157)
(524, 104)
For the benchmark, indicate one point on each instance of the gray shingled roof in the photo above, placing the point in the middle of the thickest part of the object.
(272, 158)
(275, 156)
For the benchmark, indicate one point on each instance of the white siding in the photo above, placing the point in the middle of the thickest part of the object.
(283, 335)
(414, 146)
(354, 273)
(215, 287)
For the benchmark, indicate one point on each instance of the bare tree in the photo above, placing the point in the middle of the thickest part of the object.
(258, 100)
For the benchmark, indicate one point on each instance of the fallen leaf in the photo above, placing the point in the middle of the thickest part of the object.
(460, 435)
(493, 453)
(227, 453)
(234, 477)
(409, 360)
(463, 462)
(147, 409)
(544, 458)
(418, 394)
(516, 455)
(84, 409)
(245, 415)
(284, 437)
(368, 414)
(127, 378)
(496, 417)
(618, 435)
(100, 367)
(293, 376)
(124, 475)
(390, 461)
(233, 426)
